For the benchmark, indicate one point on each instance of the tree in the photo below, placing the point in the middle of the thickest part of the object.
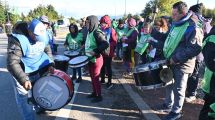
(164, 7)
(2, 13)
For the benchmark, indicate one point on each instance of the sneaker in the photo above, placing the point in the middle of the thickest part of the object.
(102, 82)
(109, 85)
(162, 108)
(73, 78)
(97, 99)
(79, 80)
(190, 99)
(173, 116)
(43, 111)
(92, 95)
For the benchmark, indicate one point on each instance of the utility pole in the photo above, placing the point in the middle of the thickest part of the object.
(125, 7)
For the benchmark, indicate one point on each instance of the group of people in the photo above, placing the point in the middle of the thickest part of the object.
(183, 43)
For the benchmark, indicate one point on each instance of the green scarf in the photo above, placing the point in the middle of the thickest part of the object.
(173, 39)
(208, 73)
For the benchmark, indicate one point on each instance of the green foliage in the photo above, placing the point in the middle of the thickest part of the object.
(2, 13)
(164, 7)
(49, 11)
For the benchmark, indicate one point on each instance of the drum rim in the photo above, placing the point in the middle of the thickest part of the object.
(69, 97)
(69, 54)
(79, 65)
(67, 58)
(87, 60)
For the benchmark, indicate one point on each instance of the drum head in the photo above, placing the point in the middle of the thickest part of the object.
(51, 92)
(61, 58)
(71, 53)
(78, 61)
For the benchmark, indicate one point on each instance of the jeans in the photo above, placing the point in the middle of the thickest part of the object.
(74, 72)
(175, 93)
(119, 50)
(194, 79)
(21, 95)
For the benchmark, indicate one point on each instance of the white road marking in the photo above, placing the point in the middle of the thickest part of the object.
(63, 113)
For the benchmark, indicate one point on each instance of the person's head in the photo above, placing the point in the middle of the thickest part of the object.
(179, 10)
(161, 25)
(44, 19)
(121, 23)
(105, 22)
(197, 8)
(92, 23)
(147, 28)
(73, 28)
(131, 22)
(37, 30)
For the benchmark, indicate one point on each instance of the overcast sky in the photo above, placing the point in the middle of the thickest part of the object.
(81, 8)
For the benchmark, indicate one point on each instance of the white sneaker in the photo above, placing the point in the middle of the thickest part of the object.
(190, 99)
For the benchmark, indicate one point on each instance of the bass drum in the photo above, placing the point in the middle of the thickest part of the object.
(53, 92)
(147, 76)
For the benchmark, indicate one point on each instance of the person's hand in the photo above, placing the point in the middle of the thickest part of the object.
(51, 69)
(27, 85)
(91, 53)
(170, 62)
(151, 39)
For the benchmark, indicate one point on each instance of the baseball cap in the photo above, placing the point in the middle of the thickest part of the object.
(44, 19)
(38, 29)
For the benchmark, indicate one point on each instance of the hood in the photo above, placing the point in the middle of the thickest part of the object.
(106, 19)
(21, 28)
(93, 23)
(184, 19)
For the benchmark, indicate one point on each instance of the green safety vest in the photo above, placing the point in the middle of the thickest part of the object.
(90, 45)
(74, 43)
(142, 44)
(207, 77)
(173, 39)
(120, 33)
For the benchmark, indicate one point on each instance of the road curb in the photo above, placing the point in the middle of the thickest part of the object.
(146, 111)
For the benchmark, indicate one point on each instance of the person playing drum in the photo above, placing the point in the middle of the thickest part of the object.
(95, 44)
(28, 58)
(74, 41)
(180, 49)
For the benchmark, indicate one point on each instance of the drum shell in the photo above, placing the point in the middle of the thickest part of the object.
(147, 78)
(65, 79)
(147, 75)
(61, 62)
(61, 65)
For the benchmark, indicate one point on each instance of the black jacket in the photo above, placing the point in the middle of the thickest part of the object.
(14, 54)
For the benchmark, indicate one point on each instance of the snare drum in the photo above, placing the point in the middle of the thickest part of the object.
(147, 76)
(61, 62)
(54, 91)
(79, 61)
(71, 54)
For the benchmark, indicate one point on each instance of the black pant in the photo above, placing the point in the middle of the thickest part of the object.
(206, 108)
(194, 79)
(106, 66)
